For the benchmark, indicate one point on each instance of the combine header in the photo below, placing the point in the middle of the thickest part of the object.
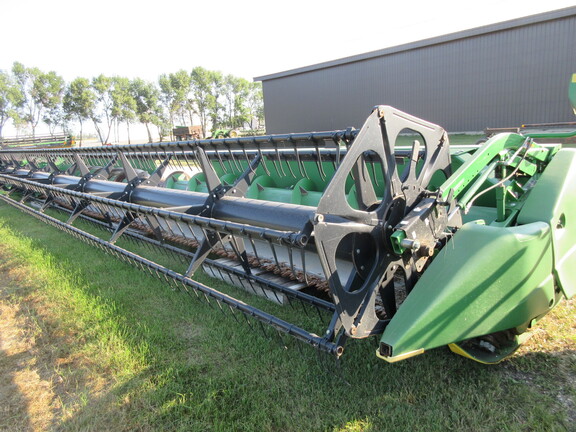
(386, 231)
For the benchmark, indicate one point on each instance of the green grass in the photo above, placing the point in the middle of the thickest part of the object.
(146, 357)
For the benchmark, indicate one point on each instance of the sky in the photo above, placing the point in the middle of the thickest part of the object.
(245, 38)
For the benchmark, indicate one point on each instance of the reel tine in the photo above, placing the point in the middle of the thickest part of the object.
(220, 159)
(291, 261)
(274, 253)
(220, 307)
(254, 250)
(263, 330)
(278, 157)
(248, 321)
(298, 161)
(236, 162)
(303, 259)
(262, 158)
(233, 313)
(318, 159)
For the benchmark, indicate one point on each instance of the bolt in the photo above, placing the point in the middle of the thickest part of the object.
(319, 218)
(357, 251)
(353, 330)
(361, 267)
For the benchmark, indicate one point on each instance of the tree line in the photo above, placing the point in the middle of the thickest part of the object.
(206, 98)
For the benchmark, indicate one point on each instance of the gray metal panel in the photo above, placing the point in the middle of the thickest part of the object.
(500, 78)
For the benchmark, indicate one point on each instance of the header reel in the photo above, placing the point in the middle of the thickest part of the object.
(386, 230)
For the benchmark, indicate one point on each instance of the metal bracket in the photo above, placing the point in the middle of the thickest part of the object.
(212, 238)
(364, 232)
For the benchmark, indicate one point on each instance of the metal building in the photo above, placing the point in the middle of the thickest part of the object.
(500, 75)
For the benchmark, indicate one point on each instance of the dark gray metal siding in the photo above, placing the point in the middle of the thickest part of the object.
(502, 76)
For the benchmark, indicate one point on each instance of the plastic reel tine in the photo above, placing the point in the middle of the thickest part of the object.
(290, 302)
(271, 140)
(175, 160)
(233, 312)
(280, 301)
(179, 228)
(222, 275)
(233, 159)
(247, 319)
(321, 319)
(220, 307)
(230, 278)
(303, 259)
(262, 158)
(252, 286)
(299, 346)
(208, 302)
(184, 288)
(276, 168)
(319, 162)
(337, 142)
(289, 167)
(254, 250)
(219, 159)
(281, 339)
(247, 158)
(263, 330)
(274, 253)
(175, 284)
(304, 308)
(191, 165)
(291, 260)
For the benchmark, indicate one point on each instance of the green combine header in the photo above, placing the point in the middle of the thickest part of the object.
(384, 232)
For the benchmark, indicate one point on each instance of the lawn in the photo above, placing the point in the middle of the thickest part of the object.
(91, 343)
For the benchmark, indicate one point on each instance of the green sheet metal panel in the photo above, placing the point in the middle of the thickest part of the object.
(553, 200)
(487, 279)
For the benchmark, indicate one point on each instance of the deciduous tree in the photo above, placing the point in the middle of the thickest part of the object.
(79, 101)
(11, 99)
(101, 115)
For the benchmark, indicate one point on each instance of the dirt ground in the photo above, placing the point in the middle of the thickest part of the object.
(27, 398)
(42, 382)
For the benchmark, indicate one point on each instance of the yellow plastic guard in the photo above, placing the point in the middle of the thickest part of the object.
(399, 357)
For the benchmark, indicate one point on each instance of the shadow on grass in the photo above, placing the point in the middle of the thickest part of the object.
(201, 371)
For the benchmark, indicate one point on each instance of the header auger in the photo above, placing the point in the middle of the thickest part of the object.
(386, 231)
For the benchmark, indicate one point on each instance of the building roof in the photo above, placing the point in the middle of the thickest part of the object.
(477, 31)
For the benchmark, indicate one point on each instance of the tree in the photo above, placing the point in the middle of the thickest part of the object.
(235, 91)
(79, 101)
(102, 112)
(206, 93)
(41, 92)
(148, 109)
(48, 91)
(54, 117)
(123, 103)
(255, 106)
(174, 91)
(11, 99)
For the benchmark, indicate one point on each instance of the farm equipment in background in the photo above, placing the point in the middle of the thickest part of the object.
(187, 133)
(45, 141)
(386, 231)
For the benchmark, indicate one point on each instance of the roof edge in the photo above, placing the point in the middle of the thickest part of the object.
(450, 37)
